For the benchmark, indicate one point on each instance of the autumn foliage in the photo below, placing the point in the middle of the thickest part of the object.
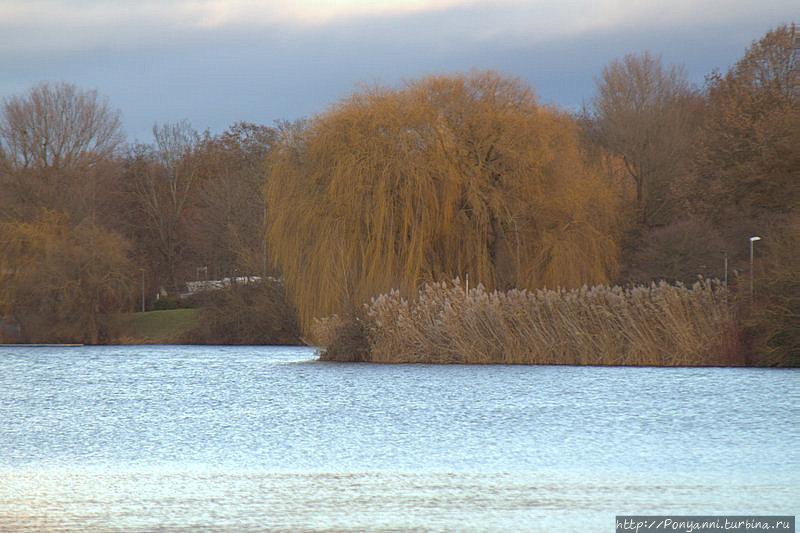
(462, 175)
(395, 188)
(748, 157)
(61, 281)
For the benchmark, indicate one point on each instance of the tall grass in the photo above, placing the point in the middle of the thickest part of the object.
(655, 325)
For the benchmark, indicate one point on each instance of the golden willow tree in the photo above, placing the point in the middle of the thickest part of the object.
(61, 282)
(462, 175)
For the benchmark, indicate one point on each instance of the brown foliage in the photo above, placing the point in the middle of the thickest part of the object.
(747, 161)
(746, 181)
(59, 280)
(253, 313)
(228, 231)
(198, 205)
(57, 125)
(683, 250)
(647, 114)
(444, 176)
(773, 318)
(164, 178)
(57, 151)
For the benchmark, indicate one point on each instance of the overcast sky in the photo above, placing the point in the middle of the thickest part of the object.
(217, 62)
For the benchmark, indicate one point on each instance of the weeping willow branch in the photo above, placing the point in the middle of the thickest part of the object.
(444, 176)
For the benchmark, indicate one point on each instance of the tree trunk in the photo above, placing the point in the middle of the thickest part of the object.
(501, 255)
(94, 333)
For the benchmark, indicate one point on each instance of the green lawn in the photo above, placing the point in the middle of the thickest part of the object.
(161, 325)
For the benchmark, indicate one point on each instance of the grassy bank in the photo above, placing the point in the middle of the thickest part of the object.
(253, 313)
(656, 325)
(158, 327)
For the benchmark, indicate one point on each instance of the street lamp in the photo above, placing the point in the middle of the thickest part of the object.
(142, 270)
(752, 240)
(725, 266)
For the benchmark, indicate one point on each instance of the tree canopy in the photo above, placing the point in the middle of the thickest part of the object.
(647, 114)
(59, 280)
(748, 151)
(58, 125)
(462, 175)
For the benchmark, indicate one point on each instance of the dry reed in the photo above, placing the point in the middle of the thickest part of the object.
(655, 325)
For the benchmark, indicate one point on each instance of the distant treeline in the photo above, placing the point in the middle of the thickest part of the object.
(394, 187)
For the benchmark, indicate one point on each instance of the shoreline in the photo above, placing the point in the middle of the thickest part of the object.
(322, 358)
(40, 345)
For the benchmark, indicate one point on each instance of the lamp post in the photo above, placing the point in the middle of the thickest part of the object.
(752, 240)
(725, 254)
(142, 270)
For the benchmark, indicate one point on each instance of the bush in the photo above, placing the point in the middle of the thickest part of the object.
(773, 321)
(345, 337)
(62, 281)
(679, 252)
(166, 303)
(254, 313)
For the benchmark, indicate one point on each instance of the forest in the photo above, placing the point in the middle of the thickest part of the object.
(400, 203)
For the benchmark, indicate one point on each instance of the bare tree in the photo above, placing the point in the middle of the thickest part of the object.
(165, 176)
(647, 114)
(57, 147)
(230, 229)
(58, 125)
(748, 152)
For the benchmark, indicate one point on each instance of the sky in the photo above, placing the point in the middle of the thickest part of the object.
(218, 62)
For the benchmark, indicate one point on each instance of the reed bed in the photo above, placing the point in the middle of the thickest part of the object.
(655, 325)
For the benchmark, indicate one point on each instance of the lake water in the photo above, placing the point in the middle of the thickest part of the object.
(142, 438)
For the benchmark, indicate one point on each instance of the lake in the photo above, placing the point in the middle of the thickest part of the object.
(142, 438)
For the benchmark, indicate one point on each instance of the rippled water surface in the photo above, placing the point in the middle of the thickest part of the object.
(268, 438)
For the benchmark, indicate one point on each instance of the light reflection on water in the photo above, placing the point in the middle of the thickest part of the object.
(244, 438)
(355, 501)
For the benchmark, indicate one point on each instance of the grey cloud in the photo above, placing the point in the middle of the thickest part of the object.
(215, 76)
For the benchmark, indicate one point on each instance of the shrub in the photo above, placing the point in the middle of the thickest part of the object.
(773, 320)
(345, 337)
(165, 303)
(60, 281)
(253, 313)
(679, 252)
